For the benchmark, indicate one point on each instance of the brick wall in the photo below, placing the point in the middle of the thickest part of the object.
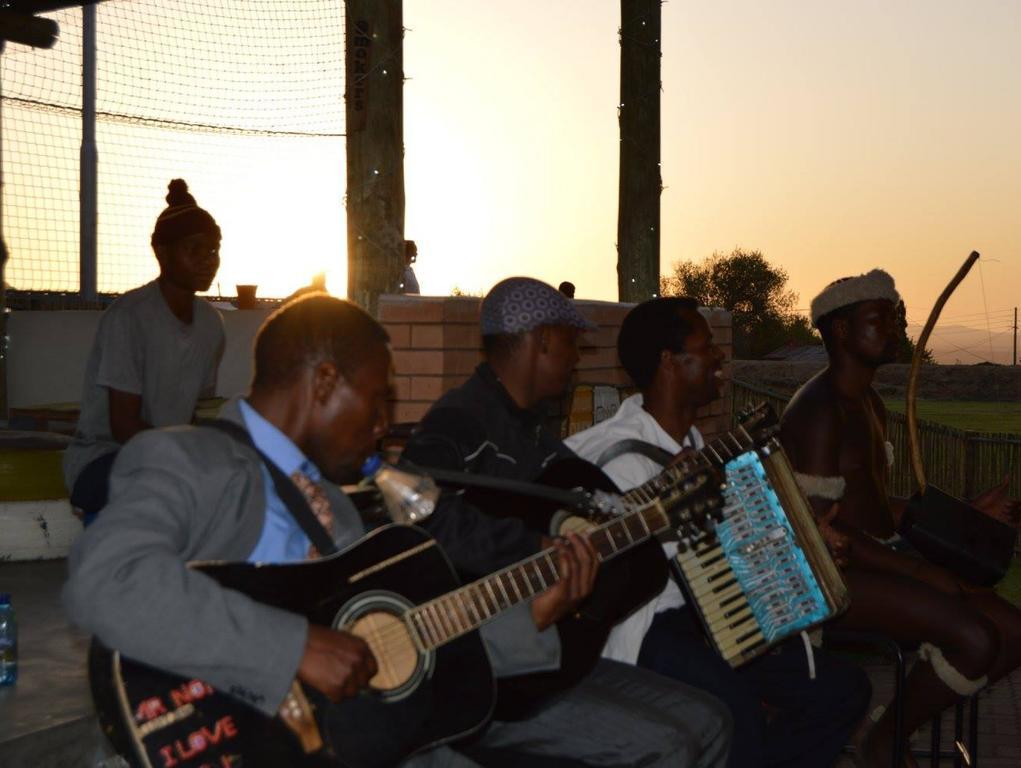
(436, 347)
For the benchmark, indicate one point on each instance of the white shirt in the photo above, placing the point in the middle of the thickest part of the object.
(633, 422)
(141, 347)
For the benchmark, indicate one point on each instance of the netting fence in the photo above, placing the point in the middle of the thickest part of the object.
(244, 99)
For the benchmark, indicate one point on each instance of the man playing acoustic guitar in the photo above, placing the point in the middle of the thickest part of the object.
(317, 406)
(834, 431)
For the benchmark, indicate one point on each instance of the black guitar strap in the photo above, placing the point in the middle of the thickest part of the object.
(648, 450)
(294, 499)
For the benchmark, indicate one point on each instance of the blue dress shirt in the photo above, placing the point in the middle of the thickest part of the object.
(282, 540)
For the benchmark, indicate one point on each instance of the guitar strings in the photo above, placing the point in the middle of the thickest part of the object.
(458, 617)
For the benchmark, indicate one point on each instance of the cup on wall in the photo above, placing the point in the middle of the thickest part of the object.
(246, 297)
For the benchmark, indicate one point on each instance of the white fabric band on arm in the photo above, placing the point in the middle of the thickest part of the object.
(819, 487)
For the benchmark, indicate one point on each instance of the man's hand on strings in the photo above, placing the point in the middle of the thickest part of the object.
(337, 663)
(578, 564)
(997, 504)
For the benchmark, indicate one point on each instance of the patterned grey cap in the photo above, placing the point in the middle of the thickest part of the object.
(519, 304)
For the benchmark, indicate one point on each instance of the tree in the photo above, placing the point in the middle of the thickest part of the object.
(763, 307)
(906, 344)
(755, 292)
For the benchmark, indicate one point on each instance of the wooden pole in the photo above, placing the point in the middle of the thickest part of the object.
(374, 31)
(640, 180)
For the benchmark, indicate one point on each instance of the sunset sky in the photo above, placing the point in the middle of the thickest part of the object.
(833, 137)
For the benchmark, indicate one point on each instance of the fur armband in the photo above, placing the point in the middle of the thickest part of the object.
(950, 676)
(819, 487)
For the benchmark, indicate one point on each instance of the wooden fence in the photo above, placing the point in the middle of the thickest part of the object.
(960, 462)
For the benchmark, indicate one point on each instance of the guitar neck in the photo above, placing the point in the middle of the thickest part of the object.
(446, 618)
(714, 455)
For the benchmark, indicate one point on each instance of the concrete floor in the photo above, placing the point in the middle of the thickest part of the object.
(47, 719)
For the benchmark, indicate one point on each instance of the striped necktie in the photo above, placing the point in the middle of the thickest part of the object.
(318, 501)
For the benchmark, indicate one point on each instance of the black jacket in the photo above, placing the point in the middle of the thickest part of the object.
(478, 428)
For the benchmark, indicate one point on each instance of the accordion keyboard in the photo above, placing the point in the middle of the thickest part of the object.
(753, 585)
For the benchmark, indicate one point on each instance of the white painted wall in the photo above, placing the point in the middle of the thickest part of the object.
(47, 353)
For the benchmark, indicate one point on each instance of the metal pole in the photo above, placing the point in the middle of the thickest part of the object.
(3, 262)
(1, 167)
(1015, 335)
(88, 160)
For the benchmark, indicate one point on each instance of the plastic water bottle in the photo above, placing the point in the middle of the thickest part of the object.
(8, 642)
(408, 497)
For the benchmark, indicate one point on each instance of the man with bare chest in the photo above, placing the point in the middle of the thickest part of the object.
(834, 431)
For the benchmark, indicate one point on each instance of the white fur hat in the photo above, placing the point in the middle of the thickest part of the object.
(876, 284)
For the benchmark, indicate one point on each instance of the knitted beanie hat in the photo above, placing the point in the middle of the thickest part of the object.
(182, 216)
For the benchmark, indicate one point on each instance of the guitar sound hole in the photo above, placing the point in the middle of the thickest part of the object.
(391, 644)
(378, 618)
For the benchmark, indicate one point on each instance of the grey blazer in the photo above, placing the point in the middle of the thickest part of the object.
(187, 493)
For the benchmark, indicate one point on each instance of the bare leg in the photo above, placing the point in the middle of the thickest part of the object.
(1007, 619)
(913, 612)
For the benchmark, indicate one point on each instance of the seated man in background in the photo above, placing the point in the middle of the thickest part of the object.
(834, 431)
(667, 349)
(318, 404)
(155, 353)
(493, 425)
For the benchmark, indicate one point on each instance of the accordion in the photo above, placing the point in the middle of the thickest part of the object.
(766, 573)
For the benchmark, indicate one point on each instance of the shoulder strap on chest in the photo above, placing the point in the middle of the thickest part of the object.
(641, 447)
(293, 499)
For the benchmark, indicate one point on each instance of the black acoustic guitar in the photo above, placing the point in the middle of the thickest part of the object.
(394, 588)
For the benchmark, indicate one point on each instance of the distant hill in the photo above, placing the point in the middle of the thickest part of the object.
(962, 345)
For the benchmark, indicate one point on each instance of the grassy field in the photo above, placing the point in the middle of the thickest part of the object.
(1010, 587)
(977, 416)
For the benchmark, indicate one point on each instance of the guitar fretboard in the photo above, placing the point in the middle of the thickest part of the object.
(441, 620)
(714, 455)
(445, 618)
